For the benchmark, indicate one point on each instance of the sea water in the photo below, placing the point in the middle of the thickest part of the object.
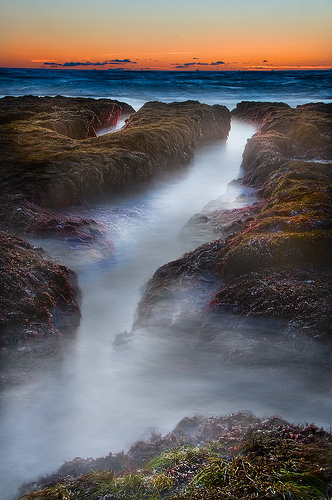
(105, 394)
(137, 87)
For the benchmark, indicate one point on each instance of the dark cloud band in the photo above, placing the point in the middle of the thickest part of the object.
(188, 65)
(72, 64)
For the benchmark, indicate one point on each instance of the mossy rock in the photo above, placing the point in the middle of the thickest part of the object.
(256, 111)
(252, 252)
(55, 169)
(245, 457)
(38, 300)
(302, 297)
(75, 117)
(288, 234)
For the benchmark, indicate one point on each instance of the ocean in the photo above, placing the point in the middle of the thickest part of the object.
(103, 395)
(137, 87)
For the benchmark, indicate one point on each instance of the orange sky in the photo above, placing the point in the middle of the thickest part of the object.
(171, 34)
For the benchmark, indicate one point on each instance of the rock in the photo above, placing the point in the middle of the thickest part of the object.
(221, 223)
(25, 218)
(275, 261)
(255, 112)
(215, 457)
(38, 302)
(57, 170)
(32, 129)
(50, 146)
(75, 117)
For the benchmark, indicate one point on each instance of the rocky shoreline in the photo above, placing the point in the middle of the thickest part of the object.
(274, 257)
(270, 258)
(52, 157)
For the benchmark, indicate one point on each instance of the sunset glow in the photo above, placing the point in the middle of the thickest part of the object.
(186, 35)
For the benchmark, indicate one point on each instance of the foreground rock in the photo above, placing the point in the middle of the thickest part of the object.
(38, 305)
(238, 456)
(274, 258)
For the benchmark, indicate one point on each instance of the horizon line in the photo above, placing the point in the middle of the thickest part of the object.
(175, 70)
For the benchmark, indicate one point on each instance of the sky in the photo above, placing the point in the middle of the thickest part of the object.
(166, 34)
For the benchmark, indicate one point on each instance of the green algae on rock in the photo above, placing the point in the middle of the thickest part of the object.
(32, 129)
(235, 456)
(291, 236)
(52, 158)
(283, 242)
(75, 117)
(55, 169)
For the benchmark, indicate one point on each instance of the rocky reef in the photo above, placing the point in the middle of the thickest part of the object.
(57, 169)
(52, 157)
(36, 133)
(274, 256)
(235, 456)
(38, 303)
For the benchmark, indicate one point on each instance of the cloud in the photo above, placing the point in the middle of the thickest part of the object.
(187, 65)
(72, 64)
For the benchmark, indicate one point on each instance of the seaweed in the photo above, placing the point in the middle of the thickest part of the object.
(273, 460)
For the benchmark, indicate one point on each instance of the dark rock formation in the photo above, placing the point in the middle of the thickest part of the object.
(75, 117)
(275, 262)
(33, 130)
(255, 112)
(52, 158)
(38, 304)
(54, 169)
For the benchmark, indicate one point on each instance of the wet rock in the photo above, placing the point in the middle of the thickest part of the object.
(27, 219)
(52, 158)
(255, 111)
(282, 261)
(248, 454)
(221, 223)
(56, 169)
(275, 261)
(74, 117)
(32, 130)
(38, 303)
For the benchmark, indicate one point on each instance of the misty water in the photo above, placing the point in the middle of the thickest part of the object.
(105, 394)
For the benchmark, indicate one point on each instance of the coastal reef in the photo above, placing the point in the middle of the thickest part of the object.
(36, 134)
(38, 303)
(51, 158)
(273, 257)
(235, 456)
(59, 161)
